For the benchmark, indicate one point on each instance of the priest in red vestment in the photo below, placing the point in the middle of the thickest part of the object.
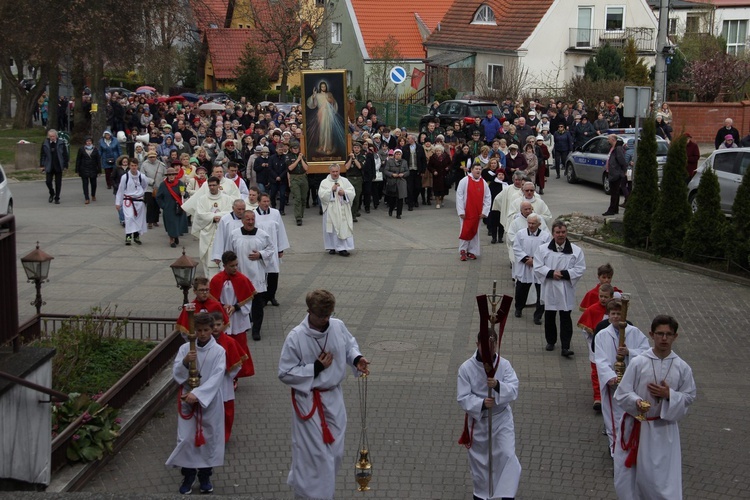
(473, 201)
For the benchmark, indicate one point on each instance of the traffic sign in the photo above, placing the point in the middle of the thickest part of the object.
(398, 75)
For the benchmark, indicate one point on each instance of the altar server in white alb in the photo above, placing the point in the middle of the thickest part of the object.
(269, 219)
(473, 200)
(226, 225)
(473, 386)
(314, 360)
(336, 195)
(606, 349)
(255, 249)
(200, 424)
(129, 197)
(648, 458)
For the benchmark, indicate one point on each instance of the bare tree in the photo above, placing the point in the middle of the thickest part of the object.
(512, 82)
(384, 55)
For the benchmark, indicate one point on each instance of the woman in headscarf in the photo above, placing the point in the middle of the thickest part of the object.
(88, 166)
(396, 171)
(109, 151)
(169, 197)
(439, 165)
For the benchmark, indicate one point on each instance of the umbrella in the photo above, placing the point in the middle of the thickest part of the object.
(190, 97)
(212, 106)
(172, 98)
(145, 89)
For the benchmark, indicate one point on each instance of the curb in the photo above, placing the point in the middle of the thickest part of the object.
(135, 415)
(674, 263)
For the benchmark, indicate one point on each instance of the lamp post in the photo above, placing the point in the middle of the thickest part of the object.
(36, 265)
(184, 273)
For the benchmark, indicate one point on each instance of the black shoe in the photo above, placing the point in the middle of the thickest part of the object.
(550, 347)
(274, 302)
(541, 191)
(518, 313)
(299, 222)
(177, 241)
(173, 245)
(411, 209)
(390, 213)
(367, 210)
(344, 253)
(256, 335)
(51, 198)
(398, 216)
(320, 211)
(137, 240)
(537, 321)
(557, 177)
(332, 252)
(597, 407)
(354, 219)
(494, 240)
(567, 353)
(501, 240)
(128, 239)
(608, 213)
(282, 212)
(57, 202)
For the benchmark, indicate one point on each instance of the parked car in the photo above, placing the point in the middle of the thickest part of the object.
(459, 109)
(587, 163)
(216, 97)
(6, 198)
(730, 166)
(120, 90)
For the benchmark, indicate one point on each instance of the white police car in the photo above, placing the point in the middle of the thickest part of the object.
(6, 198)
(587, 163)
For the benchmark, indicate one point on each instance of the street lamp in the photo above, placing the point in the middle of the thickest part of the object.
(36, 265)
(184, 273)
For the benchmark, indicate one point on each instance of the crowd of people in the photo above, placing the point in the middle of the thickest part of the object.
(228, 175)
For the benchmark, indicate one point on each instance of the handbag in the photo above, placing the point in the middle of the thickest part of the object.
(391, 189)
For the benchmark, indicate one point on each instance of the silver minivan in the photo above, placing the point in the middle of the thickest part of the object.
(729, 165)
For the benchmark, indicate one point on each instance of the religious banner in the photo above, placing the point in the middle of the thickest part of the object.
(416, 78)
(325, 137)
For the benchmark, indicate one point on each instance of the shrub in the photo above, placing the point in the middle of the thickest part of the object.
(738, 237)
(642, 201)
(97, 433)
(605, 64)
(592, 92)
(673, 209)
(705, 233)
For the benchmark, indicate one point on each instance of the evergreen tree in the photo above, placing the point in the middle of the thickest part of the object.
(673, 209)
(705, 233)
(251, 75)
(635, 68)
(738, 238)
(605, 64)
(642, 201)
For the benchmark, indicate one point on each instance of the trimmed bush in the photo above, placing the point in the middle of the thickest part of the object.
(704, 237)
(673, 209)
(642, 201)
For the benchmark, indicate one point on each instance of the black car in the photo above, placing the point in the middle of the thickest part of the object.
(459, 109)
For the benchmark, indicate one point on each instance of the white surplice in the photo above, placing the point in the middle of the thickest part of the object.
(518, 223)
(539, 206)
(605, 355)
(658, 472)
(525, 245)
(212, 367)
(472, 390)
(273, 224)
(559, 295)
(245, 244)
(224, 228)
(502, 203)
(133, 188)
(315, 463)
(338, 225)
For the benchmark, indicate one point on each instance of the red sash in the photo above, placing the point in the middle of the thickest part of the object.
(473, 208)
(237, 181)
(317, 405)
(170, 187)
(631, 446)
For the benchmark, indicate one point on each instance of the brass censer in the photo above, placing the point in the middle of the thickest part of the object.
(643, 408)
(363, 466)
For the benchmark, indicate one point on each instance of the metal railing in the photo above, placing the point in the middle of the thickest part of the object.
(589, 39)
(137, 328)
(408, 114)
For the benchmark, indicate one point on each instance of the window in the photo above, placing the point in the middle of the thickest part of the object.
(494, 75)
(320, 3)
(672, 30)
(614, 19)
(579, 70)
(335, 32)
(725, 162)
(692, 24)
(735, 33)
(585, 17)
(484, 15)
(305, 55)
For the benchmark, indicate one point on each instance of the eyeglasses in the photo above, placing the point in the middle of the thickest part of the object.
(171, 175)
(669, 335)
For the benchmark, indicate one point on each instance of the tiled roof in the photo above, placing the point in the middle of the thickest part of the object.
(378, 19)
(209, 13)
(226, 46)
(516, 20)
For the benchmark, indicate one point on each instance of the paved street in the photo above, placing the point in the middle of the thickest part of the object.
(411, 304)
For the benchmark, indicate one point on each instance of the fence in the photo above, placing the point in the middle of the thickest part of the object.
(408, 114)
(148, 329)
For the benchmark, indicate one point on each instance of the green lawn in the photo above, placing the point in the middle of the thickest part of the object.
(8, 140)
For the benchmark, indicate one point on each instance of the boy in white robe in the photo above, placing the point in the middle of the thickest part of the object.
(649, 465)
(336, 195)
(130, 198)
(606, 350)
(472, 397)
(314, 360)
(200, 425)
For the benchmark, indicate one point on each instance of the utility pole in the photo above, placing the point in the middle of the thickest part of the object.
(662, 48)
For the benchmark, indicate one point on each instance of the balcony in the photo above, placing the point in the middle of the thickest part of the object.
(588, 39)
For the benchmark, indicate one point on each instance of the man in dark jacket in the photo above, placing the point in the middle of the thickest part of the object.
(583, 132)
(279, 170)
(563, 146)
(415, 157)
(616, 168)
(728, 128)
(53, 161)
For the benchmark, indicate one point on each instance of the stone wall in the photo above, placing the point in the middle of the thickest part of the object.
(703, 119)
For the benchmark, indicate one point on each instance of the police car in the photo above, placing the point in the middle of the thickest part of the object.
(587, 163)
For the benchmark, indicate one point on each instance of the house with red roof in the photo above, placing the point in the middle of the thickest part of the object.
(479, 43)
(369, 37)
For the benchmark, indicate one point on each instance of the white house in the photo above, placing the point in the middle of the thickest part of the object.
(728, 18)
